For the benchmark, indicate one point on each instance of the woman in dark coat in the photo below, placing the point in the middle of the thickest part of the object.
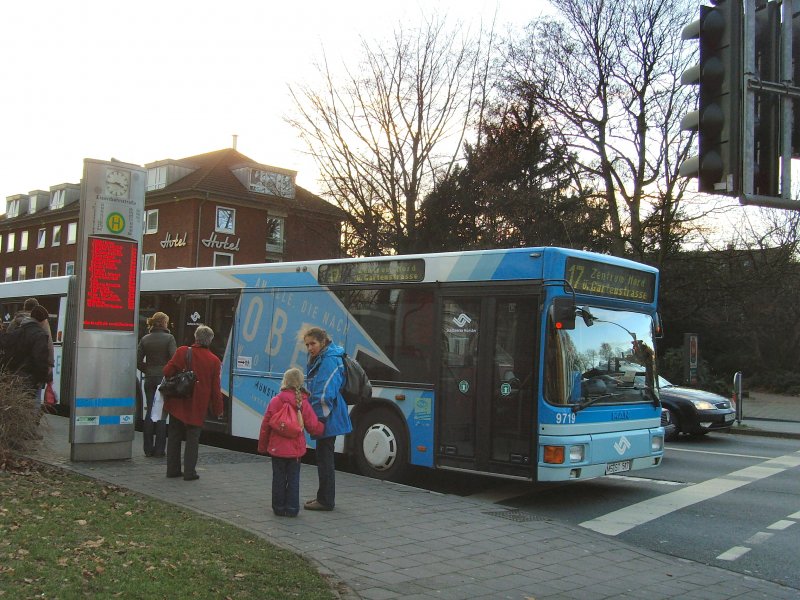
(154, 351)
(187, 415)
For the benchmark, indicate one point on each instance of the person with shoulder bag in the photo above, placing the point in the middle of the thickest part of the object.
(324, 379)
(282, 438)
(153, 352)
(187, 415)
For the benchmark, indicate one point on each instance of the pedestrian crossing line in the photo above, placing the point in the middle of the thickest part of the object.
(624, 519)
(781, 525)
(758, 538)
(795, 516)
(734, 553)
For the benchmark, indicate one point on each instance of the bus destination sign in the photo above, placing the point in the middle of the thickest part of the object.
(613, 281)
(373, 271)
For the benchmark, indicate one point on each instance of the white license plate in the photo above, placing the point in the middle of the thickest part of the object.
(729, 418)
(618, 467)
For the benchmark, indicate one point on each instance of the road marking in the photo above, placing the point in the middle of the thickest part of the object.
(760, 537)
(637, 514)
(781, 525)
(645, 479)
(795, 515)
(719, 453)
(733, 553)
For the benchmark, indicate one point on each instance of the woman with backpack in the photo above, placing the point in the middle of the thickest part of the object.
(282, 438)
(324, 379)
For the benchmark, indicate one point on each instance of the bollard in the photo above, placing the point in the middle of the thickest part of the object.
(737, 396)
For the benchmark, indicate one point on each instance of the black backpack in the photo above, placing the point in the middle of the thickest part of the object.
(15, 349)
(8, 349)
(356, 387)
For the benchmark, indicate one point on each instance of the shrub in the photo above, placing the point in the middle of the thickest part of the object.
(19, 418)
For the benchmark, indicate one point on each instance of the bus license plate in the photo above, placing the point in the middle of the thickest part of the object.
(618, 467)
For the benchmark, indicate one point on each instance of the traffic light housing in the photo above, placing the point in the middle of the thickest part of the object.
(720, 76)
(767, 119)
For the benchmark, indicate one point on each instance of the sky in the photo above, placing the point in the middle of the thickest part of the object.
(146, 81)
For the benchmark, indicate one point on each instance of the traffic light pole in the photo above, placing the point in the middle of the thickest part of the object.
(776, 142)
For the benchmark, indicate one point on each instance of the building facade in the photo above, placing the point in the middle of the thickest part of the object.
(218, 208)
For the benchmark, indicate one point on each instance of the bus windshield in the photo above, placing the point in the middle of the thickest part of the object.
(607, 359)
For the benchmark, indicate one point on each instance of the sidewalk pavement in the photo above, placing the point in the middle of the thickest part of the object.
(385, 540)
(769, 415)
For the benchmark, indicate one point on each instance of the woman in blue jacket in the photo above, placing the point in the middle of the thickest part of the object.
(324, 379)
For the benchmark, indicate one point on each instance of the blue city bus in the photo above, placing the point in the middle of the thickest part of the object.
(531, 363)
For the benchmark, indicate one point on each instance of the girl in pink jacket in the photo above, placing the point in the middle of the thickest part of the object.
(286, 443)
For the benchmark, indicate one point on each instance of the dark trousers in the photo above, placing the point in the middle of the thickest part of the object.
(178, 431)
(326, 470)
(151, 430)
(285, 486)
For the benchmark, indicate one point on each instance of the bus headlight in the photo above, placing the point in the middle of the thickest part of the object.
(657, 443)
(576, 454)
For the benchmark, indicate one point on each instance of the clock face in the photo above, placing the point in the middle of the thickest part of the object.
(225, 219)
(117, 183)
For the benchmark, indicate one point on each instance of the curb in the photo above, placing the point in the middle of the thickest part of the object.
(764, 433)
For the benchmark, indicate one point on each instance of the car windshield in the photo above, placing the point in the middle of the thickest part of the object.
(607, 359)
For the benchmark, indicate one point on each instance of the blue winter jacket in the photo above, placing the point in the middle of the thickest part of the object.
(324, 379)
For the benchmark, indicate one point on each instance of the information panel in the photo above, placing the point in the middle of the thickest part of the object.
(111, 267)
(613, 281)
(374, 271)
(104, 403)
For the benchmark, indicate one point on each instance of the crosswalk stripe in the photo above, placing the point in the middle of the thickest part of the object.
(781, 525)
(733, 553)
(637, 514)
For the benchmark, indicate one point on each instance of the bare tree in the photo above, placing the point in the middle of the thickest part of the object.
(606, 73)
(384, 133)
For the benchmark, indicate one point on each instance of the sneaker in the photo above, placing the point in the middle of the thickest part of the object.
(315, 505)
(191, 477)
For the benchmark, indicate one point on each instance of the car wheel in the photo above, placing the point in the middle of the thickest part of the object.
(381, 447)
(671, 428)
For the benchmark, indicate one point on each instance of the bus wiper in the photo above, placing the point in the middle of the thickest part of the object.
(586, 402)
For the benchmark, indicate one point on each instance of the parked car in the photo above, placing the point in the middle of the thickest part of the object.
(692, 411)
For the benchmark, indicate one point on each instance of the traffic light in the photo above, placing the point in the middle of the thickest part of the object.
(720, 78)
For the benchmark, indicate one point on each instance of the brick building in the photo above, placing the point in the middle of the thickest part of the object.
(217, 208)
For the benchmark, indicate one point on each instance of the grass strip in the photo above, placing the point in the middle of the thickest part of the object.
(67, 536)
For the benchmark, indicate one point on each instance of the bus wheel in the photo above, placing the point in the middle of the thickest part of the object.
(381, 447)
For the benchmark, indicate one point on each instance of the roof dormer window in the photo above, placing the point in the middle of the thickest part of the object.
(57, 200)
(271, 182)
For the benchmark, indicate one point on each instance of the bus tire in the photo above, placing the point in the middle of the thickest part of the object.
(381, 445)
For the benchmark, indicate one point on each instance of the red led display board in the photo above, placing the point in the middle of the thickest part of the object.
(111, 268)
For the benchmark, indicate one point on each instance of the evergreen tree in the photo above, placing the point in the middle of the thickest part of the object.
(517, 188)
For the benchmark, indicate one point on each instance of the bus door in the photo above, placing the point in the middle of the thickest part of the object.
(216, 311)
(486, 405)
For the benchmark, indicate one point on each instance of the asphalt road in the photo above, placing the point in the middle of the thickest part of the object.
(723, 500)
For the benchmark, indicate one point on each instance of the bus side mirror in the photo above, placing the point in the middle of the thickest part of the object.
(564, 313)
(658, 327)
